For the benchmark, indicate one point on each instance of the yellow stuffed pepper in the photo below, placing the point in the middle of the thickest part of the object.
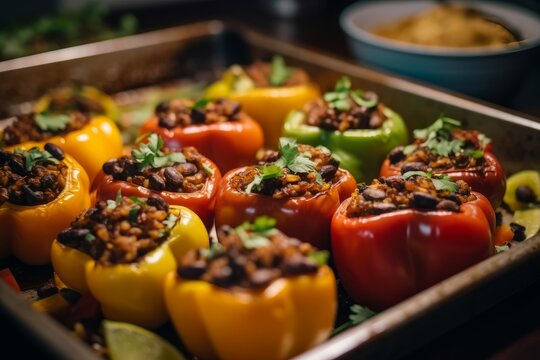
(260, 295)
(267, 93)
(90, 140)
(40, 191)
(121, 251)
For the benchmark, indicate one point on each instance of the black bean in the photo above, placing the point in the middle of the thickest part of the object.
(47, 290)
(156, 182)
(68, 235)
(396, 155)
(413, 166)
(4, 195)
(192, 271)
(16, 163)
(4, 156)
(375, 121)
(198, 116)
(55, 151)
(173, 177)
(498, 218)
(382, 207)
(167, 122)
(423, 200)
(263, 277)
(374, 194)
(48, 180)
(157, 202)
(525, 194)
(31, 196)
(328, 172)
(294, 265)
(187, 169)
(162, 107)
(131, 167)
(109, 166)
(223, 276)
(396, 182)
(448, 205)
(519, 231)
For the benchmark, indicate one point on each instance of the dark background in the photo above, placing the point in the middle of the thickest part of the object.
(509, 330)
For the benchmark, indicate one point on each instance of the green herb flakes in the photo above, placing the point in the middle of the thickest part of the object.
(52, 122)
(279, 72)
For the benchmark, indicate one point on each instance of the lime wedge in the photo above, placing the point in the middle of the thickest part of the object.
(530, 218)
(530, 178)
(128, 341)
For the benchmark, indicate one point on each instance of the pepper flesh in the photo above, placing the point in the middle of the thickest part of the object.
(132, 292)
(361, 151)
(98, 141)
(233, 207)
(276, 322)
(383, 259)
(229, 144)
(28, 231)
(268, 105)
(202, 202)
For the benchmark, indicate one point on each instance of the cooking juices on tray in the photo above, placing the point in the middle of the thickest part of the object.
(402, 234)
(40, 190)
(181, 177)
(261, 294)
(217, 128)
(267, 92)
(297, 185)
(353, 124)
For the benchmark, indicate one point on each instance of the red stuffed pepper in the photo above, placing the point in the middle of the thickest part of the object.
(184, 178)
(445, 149)
(300, 186)
(400, 235)
(217, 128)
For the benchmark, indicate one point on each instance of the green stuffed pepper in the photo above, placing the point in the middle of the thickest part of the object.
(354, 125)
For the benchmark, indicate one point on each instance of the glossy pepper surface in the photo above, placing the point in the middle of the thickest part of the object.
(98, 141)
(131, 292)
(229, 144)
(269, 106)
(28, 231)
(383, 259)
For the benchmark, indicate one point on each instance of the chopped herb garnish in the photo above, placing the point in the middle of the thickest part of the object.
(441, 182)
(150, 154)
(279, 72)
(137, 200)
(255, 235)
(52, 122)
(133, 213)
(89, 237)
(170, 221)
(208, 169)
(35, 156)
(358, 315)
(266, 172)
(319, 257)
(112, 204)
(199, 104)
(215, 248)
(358, 97)
(339, 98)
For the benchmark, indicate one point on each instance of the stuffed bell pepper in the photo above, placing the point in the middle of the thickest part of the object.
(90, 140)
(444, 148)
(181, 177)
(218, 129)
(40, 191)
(354, 125)
(299, 185)
(121, 250)
(260, 295)
(400, 235)
(267, 91)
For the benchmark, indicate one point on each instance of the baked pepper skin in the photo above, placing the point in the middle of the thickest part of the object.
(268, 105)
(233, 207)
(277, 322)
(28, 231)
(361, 151)
(230, 144)
(98, 141)
(201, 202)
(490, 182)
(384, 259)
(132, 292)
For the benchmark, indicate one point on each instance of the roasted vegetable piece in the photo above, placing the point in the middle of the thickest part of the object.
(354, 125)
(267, 92)
(399, 236)
(39, 193)
(522, 189)
(121, 250)
(278, 301)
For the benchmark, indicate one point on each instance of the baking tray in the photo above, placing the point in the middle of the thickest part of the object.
(199, 52)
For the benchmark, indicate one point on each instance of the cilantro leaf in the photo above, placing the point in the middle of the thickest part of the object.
(133, 213)
(150, 154)
(358, 97)
(89, 237)
(264, 223)
(199, 104)
(36, 156)
(266, 172)
(440, 181)
(319, 257)
(358, 315)
(52, 122)
(255, 235)
(112, 204)
(279, 72)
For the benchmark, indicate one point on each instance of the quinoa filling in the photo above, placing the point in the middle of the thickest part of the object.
(120, 231)
(251, 256)
(32, 177)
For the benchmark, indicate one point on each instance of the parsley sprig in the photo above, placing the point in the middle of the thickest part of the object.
(441, 182)
(358, 315)
(339, 98)
(112, 204)
(36, 156)
(150, 154)
(291, 158)
(279, 72)
(255, 235)
(52, 122)
(199, 104)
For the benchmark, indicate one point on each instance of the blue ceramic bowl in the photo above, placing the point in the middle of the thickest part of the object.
(489, 73)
